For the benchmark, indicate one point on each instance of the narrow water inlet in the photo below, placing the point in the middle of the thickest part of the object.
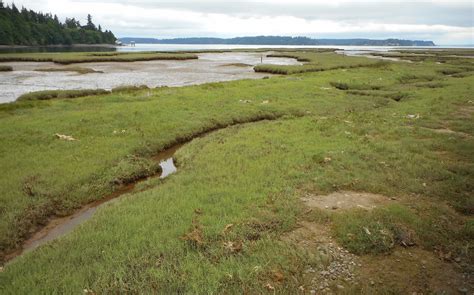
(61, 226)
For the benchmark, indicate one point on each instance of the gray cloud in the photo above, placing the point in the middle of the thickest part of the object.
(438, 20)
(409, 12)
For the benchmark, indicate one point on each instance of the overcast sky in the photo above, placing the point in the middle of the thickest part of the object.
(443, 21)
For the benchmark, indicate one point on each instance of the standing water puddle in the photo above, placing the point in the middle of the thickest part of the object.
(167, 167)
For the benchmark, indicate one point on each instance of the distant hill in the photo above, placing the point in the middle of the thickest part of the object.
(27, 27)
(280, 40)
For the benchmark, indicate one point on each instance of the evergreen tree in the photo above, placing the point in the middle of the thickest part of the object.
(90, 25)
(27, 27)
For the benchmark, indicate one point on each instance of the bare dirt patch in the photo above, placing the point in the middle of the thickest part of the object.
(413, 271)
(334, 267)
(449, 132)
(345, 200)
(309, 235)
(465, 112)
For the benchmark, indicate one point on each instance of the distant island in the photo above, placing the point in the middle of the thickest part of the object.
(279, 40)
(30, 28)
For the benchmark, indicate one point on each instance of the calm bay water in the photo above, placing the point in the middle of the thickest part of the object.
(192, 47)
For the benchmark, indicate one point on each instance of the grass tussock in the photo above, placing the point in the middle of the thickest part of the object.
(240, 65)
(85, 57)
(317, 62)
(79, 70)
(60, 94)
(383, 229)
(5, 68)
(463, 74)
(412, 78)
(371, 90)
(128, 88)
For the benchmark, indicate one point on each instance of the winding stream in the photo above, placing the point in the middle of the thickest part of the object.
(60, 226)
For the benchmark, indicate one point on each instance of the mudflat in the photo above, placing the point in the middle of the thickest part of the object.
(210, 67)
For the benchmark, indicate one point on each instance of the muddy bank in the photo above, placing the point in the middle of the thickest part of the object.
(59, 226)
(210, 67)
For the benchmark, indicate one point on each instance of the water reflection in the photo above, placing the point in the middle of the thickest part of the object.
(167, 167)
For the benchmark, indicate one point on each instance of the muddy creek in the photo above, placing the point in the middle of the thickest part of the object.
(60, 226)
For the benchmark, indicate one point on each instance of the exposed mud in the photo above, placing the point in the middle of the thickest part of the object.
(345, 200)
(210, 67)
(333, 270)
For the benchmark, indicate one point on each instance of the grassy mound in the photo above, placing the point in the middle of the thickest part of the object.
(83, 57)
(316, 62)
(79, 70)
(58, 94)
(5, 68)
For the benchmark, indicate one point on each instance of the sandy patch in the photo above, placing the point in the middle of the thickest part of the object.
(345, 200)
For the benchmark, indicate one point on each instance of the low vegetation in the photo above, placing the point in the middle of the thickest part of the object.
(83, 57)
(241, 65)
(314, 61)
(5, 68)
(128, 88)
(459, 57)
(79, 70)
(59, 94)
(217, 225)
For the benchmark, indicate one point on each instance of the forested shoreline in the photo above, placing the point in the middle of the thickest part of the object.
(30, 28)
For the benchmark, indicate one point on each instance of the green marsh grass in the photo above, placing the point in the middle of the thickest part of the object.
(60, 94)
(5, 68)
(88, 57)
(79, 70)
(316, 62)
(251, 176)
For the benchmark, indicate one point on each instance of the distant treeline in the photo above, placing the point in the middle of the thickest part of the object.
(27, 27)
(280, 40)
